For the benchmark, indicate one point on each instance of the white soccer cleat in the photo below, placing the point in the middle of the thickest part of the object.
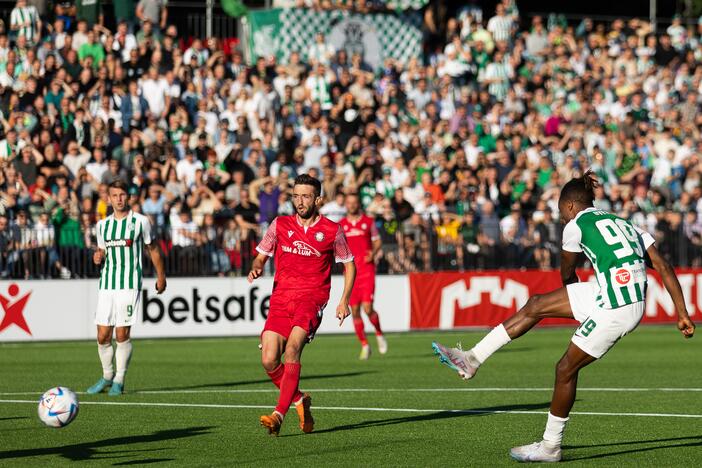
(382, 344)
(463, 362)
(536, 452)
(365, 352)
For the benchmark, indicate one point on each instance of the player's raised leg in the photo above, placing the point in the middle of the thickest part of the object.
(466, 363)
(106, 353)
(290, 380)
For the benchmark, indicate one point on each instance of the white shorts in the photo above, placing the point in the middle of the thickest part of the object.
(117, 307)
(600, 328)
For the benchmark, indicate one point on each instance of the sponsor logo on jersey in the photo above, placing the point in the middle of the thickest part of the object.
(622, 276)
(301, 248)
(119, 243)
(355, 232)
(290, 234)
(319, 237)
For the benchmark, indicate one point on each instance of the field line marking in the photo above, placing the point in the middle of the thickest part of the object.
(388, 410)
(375, 390)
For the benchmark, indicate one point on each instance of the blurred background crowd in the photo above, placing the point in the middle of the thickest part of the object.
(459, 155)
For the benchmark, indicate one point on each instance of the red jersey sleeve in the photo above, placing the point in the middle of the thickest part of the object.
(342, 252)
(373, 230)
(269, 241)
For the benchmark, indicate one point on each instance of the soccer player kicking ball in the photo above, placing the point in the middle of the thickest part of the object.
(364, 241)
(304, 246)
(120, 237)
(607, 310)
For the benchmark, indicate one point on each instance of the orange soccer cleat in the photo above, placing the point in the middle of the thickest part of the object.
(272, 422)
(304, 412)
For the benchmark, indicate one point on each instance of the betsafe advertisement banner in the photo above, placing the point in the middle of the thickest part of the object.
(481, 299)
(190, 307)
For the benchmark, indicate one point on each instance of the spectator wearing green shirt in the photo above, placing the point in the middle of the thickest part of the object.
(92, 49)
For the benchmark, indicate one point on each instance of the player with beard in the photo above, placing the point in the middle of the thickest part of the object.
(304, 246)
(364, 241)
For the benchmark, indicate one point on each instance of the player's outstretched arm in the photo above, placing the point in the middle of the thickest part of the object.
(569, 260)
(257, 267)
(342, 310)
(672, 285)
(157, 260)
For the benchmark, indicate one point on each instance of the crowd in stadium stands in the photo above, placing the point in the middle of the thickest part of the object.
(459, 155)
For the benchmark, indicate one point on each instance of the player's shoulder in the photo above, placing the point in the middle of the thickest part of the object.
(140, 218)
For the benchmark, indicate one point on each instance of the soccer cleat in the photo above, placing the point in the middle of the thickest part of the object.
(536, 452)
(382, 344)
(99, 387)
(303, 408)
(365, 352)
(116, 389)
(463, 362)
(272, 422)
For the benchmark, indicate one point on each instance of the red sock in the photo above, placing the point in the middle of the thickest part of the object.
(276, 376)
(288, 387)
(375, 321)
(360, 333)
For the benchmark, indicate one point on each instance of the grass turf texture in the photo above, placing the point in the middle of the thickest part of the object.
(190, 372)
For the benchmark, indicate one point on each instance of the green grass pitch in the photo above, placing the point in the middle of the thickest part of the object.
(196, 403)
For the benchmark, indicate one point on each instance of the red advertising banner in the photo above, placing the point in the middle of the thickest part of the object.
(480, 299)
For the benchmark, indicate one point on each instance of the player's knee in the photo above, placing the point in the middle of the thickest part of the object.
(355, 312)
(564, 370)
(533, 306)
(292, 353)
(270, 361)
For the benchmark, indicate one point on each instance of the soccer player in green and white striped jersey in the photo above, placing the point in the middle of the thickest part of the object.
(607, 308)
(120, 237)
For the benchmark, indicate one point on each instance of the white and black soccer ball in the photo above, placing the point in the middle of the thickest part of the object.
(58, 407)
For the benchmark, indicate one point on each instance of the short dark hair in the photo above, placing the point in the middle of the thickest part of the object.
(306, 179)
(581, 189)
(119, 184)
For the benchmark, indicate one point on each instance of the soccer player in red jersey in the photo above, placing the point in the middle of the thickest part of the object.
(304, 246)
(364, 241)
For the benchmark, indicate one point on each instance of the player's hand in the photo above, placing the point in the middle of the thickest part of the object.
(160, 284)
(686, 327)
(98, 256)
(254, 274)
(342, 311)
(369, 257)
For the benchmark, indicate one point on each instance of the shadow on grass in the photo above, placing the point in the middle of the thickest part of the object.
(91, 450)
(431, 417)
(304, 378)
(13, 417)
(694, 441)
(143, 462)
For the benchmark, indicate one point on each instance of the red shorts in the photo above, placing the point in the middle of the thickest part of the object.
(289, 309)
(363, 289)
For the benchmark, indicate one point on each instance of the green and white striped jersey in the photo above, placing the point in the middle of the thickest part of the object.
(616, 248)
(122, 240)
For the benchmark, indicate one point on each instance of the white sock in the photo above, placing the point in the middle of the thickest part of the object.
(553, 435)
(106, 352)
(493, 341)
(122, 356)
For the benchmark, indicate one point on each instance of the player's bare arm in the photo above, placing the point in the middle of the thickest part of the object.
(569, 260)
(342, 310)
(373, 254)
(257, 267)
(157, 260)
(672, 285)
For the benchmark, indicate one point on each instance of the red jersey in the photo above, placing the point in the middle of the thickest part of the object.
(304, 257)
(360, 235)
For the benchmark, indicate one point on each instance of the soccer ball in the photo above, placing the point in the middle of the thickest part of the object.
(58, 407)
